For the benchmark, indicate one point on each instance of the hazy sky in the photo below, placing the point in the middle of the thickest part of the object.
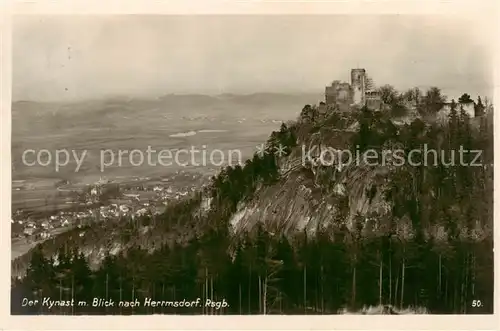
(68, 57)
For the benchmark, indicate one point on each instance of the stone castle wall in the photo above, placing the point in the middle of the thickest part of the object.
(342, 95)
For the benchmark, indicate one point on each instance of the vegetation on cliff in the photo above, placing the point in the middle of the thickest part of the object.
(431, 247)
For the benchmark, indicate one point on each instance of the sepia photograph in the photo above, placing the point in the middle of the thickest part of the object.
(252, 165)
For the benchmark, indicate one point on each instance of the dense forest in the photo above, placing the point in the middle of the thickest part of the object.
(433, 250)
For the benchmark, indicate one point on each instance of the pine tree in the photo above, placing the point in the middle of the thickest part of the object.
(40, 276)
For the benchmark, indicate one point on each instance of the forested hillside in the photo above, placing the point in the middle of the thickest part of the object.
(282, 237)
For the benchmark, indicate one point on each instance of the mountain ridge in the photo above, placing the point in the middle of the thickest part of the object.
(413, 227)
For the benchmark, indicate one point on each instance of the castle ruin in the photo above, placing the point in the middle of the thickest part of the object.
(342, 95)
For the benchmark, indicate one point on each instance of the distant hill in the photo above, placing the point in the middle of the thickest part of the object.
(201, 100)
(32, 116)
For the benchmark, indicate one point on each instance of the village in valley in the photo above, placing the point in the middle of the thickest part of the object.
(103, 201)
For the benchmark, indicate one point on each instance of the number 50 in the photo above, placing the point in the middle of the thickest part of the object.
(476, 303)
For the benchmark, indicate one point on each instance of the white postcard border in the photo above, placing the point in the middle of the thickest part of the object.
(487, 9)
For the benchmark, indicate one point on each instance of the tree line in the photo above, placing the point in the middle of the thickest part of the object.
(271, 274)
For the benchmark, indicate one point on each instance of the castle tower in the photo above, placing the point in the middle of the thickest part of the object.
(358, 86)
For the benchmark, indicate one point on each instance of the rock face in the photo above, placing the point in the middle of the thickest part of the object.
(313, 194)
(312, 197)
